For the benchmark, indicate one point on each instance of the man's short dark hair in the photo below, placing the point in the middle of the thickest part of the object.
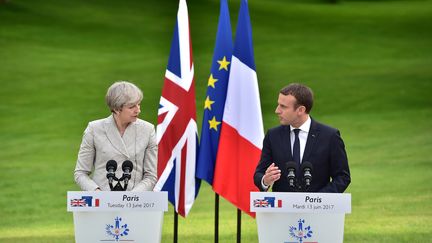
(302, 93)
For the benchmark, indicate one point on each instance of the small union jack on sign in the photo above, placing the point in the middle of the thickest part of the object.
(78, 203)
(261, 203)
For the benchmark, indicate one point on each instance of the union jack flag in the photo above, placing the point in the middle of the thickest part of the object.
(177, 133)
(78, 203)
(261, 203)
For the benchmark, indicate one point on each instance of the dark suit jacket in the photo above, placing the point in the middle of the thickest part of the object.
(325, 149)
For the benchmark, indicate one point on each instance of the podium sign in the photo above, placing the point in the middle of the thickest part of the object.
(117, 216)
(300, 217)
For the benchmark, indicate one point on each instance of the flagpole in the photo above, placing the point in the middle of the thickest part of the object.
(216, 233)
(175, 226)
(238, 225)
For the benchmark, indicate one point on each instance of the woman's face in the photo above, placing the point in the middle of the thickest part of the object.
(129, 113)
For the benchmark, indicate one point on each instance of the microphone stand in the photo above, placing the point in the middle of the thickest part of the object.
(126, 182)
(125, 179)
(127, 167)
(118, 186)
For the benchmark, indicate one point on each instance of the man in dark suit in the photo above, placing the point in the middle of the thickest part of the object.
(301, 139)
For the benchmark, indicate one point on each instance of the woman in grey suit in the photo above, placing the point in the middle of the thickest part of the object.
(122, 136)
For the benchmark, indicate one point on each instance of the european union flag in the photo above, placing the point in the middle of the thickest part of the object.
(215, 97)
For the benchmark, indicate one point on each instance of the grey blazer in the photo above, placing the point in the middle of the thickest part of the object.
(102, 142)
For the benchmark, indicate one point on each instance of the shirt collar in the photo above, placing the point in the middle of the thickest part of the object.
(304, 127)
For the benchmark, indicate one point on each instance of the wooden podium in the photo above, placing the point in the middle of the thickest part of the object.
(117, 216)
(300, 217)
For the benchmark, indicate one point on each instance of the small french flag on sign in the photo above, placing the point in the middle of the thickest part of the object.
(90, 202)
(273, 202)
(96, 202)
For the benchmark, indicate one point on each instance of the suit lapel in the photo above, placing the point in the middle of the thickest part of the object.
(311, 140)
(129, 139)
(287, 142)
(114, 136)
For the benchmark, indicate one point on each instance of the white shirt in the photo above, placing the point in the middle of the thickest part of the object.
(303, 135)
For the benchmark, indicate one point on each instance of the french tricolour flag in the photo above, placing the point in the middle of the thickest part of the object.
(242, 130)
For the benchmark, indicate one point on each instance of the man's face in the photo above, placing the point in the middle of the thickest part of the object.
(286, 111)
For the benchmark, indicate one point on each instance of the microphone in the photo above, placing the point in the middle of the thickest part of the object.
(307, 168)
(111, 167)
(127, 168)
(291, 167)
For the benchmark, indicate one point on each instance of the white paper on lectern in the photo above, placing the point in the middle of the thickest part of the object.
(300, 202)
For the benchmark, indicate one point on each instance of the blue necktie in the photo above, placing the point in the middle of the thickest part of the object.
(296, 147)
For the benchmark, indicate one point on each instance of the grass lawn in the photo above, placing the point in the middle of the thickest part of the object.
(368, 62)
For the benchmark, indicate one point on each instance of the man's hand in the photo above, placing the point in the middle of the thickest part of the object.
(271, 175)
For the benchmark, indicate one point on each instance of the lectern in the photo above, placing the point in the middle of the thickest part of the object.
(300, 217)
(118, 216)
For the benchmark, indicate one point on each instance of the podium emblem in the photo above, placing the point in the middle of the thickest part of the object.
(300, 232)
(117, 230)
(267, 202)
(85, 201)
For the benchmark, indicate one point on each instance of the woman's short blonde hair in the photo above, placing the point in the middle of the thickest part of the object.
(122, 93)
